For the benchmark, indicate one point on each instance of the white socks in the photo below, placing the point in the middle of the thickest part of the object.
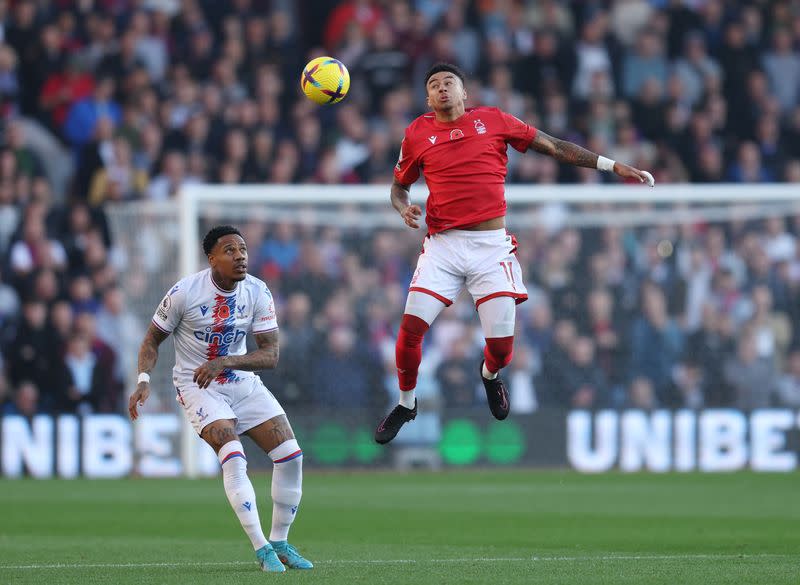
(240, 491)
(487, 374)
(407, 399)
(287, 487)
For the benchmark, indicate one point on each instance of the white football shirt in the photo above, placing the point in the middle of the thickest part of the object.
(208, 322)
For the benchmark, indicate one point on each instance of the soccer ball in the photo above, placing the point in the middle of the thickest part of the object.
(325, 80)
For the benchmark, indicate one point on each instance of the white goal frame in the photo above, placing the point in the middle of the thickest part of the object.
(192, 197)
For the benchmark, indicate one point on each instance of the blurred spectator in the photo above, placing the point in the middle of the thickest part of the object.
(748, 167)
(556, 362)
(710, 346)
(456, 375)
(33, 354)
(281, 251)
(9, 311)
(646, 62)
(689, 385)
(384, 66)
(119, 329)
(105, 375)
(549, 69)
(782, 65)
(788, 390)
(118, 179)
(343, 374)
(83, 116)
(174, 175)
(364, 13)
(656, 341)
(604, 330)
(778, 243)
(751, 378)
(520, 376)
(771, 330)
(26, 401)
(35, 249)
(641, 395)
(9, 83)
(696, 272)
(584, 382)
(738, 60)
(298, 340)
(593, 61)
(695, 67)
(84, 375)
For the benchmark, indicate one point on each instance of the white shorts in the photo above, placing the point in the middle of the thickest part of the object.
(483, 261)
(248, 402)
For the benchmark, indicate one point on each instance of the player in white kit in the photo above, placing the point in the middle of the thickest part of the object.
(209, 314)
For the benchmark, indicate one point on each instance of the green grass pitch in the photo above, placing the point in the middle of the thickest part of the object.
(504, 527)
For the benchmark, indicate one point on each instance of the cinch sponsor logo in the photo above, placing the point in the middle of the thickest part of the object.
(220, 337)
(221, 334)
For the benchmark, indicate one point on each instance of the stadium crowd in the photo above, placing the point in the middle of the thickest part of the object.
(111, 101)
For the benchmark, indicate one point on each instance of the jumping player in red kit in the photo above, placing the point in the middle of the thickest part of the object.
(463, 155)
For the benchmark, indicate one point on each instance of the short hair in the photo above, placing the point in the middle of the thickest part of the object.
(441, 66)
(215, 233)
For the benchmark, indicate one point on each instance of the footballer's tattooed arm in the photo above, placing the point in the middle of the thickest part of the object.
(401, 202)
(399, 195)
(263, 358)
(271, 433)
(568, 152)
(563, 151)
(148, 356)
(148, 351)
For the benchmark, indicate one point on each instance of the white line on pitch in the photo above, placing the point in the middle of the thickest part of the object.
(402, 561)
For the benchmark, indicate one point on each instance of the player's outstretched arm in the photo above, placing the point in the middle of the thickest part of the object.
(148, 356)
(263, 358)
(569, 152)
(402, 203)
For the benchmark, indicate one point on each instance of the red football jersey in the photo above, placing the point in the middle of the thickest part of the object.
(464, 162)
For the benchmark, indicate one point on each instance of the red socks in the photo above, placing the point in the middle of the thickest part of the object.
(498, 352)
(408, 351)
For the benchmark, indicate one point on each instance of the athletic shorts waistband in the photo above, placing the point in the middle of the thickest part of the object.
(474, 233)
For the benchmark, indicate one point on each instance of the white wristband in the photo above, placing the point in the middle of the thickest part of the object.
(143, 377)
(605, 164)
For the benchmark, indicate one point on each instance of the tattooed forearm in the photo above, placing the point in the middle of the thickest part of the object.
(564, 151)
(148, 351)
(399, 196)
(264, 358)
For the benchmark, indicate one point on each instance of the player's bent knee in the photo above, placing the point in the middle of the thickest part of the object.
(287, 451)
(232, 451)
(412, 330)
(499, 352)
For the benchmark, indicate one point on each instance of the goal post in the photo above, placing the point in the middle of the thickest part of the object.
(585, 205)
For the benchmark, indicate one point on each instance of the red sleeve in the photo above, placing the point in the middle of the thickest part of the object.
(406, 171)
(518, 134)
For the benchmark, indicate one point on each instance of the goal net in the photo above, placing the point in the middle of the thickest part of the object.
(338, 260)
